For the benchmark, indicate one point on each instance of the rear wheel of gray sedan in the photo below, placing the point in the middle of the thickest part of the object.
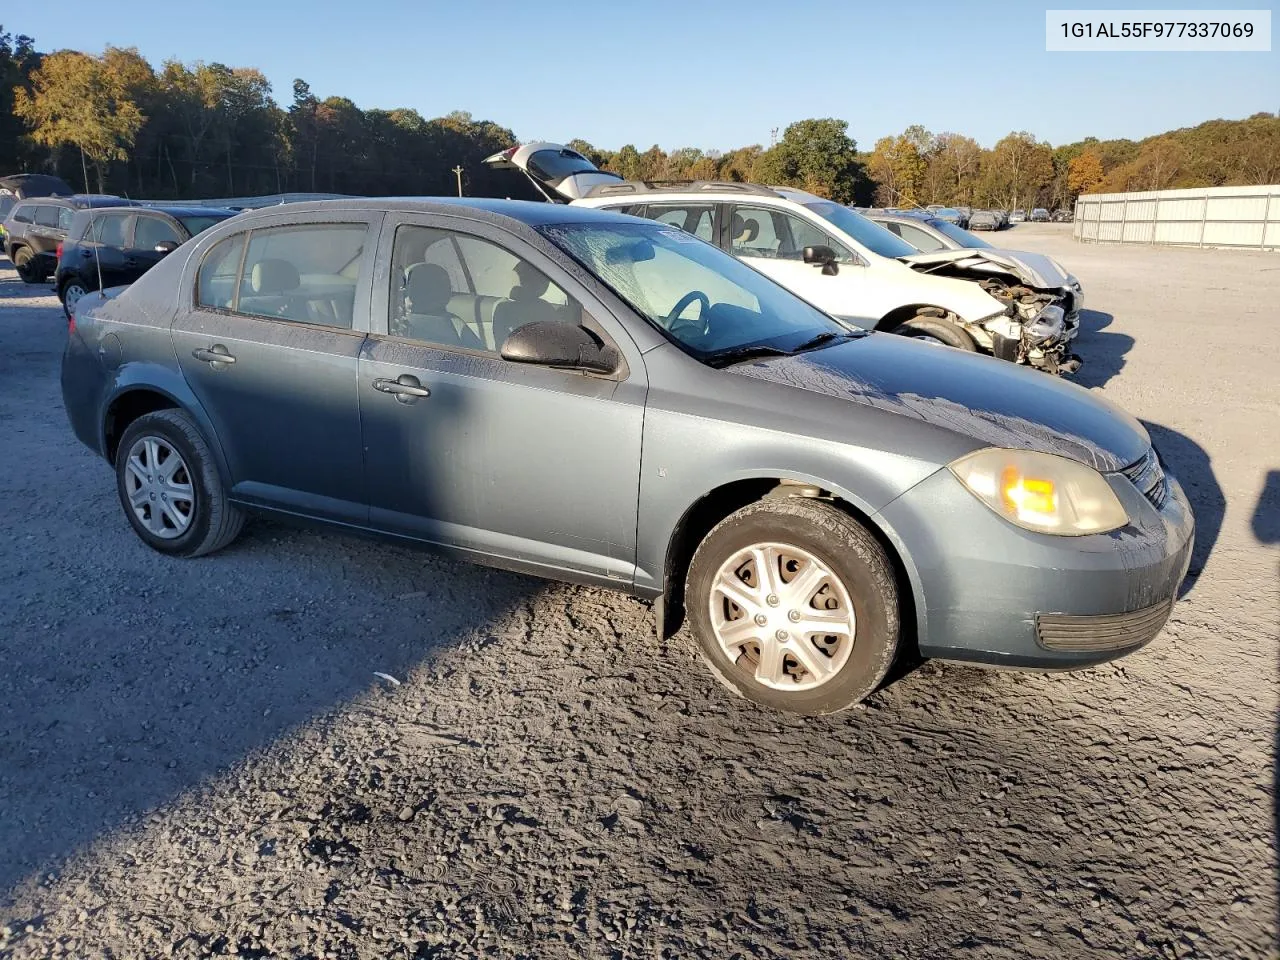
(794, 605)
(23, 262)
(170, 488)
(936, 330)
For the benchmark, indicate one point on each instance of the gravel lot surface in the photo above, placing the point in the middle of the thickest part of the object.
(197, 758)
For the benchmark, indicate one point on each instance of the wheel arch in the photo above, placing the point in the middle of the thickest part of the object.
(718, 503)
(137, 397)
(900, 315)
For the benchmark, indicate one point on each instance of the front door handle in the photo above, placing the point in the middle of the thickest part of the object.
(405, 388)
(214, 355)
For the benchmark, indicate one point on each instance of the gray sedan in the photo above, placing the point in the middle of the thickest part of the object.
(606, 400)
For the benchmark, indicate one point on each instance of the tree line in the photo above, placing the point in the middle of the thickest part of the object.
(114, 123)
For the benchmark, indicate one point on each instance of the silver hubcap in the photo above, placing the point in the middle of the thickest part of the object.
(72, 294)
(159, 488)
(782, 616)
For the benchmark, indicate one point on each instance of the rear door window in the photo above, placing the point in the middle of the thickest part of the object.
(304, 274)
(110, 229)
(922, 240)
(65, 216)
(47, 216)
(216, 287)
(691, 218)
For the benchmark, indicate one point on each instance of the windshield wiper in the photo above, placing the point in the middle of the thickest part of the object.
(741, 354)
(825, 337)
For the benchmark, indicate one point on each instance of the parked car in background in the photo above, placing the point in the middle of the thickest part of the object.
(111, 246)
(952, 215)
(984, 220)
(1018, 216)
(1040, 215)
(1032, 278)
(831, 256)
(1063, 216)
(24, 186)
(1004, 217)
(34, 229)
(814, 499)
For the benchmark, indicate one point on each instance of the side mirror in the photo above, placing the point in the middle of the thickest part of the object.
(165, 246)
(548, 343)
(822, 256)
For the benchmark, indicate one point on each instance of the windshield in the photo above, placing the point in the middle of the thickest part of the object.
(959, 235)
(871, 235)
(711, 303)
(196, 224)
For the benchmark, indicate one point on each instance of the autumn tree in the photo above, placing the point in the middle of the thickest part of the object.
(898, 169)
(86, 102)
(1018, 169)
(1084, 173)
(17, 61)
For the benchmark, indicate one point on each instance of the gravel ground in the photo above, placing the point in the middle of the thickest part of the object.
(197, 758)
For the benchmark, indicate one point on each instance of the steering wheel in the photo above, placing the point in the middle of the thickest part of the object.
(673, 318)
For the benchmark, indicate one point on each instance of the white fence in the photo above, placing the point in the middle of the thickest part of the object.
(1239, 217)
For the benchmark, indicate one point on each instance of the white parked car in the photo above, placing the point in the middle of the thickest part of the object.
(1010, 272)
(826, 253)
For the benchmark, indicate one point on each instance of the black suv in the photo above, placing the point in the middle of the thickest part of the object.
(108, 247)
(35, 228)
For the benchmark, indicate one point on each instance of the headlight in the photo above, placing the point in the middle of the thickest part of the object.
(1042, 492)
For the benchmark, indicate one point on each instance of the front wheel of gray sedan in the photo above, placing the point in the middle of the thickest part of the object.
(170, 488)
(794, 605)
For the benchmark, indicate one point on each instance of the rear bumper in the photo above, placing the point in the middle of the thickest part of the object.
(991, 593)
(83, 380)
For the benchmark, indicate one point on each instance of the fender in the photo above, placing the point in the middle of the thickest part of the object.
(873, 518)
(149, 376)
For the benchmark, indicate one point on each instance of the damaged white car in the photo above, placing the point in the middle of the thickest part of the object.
(951, 251)
(827, 254)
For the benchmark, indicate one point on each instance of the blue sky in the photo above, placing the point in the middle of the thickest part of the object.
(698, 73)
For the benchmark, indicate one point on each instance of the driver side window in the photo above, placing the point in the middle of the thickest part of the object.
(777, 235)
(457, 291)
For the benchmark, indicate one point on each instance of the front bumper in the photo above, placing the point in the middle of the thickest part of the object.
(991, 593)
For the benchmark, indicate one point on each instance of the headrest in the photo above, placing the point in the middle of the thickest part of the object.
(428, 288)
(752, 227)
(273, 276)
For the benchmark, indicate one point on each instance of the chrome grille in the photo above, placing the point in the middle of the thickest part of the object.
(1148, 476)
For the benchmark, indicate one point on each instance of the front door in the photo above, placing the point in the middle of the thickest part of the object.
(149, 230)
(773, 241)
(271, 350)
(505, 462)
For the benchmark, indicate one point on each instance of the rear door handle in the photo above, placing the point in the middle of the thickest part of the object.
(406, 388)
(215, 354)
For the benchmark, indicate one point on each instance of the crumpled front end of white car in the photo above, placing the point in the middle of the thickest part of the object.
(1032, 330)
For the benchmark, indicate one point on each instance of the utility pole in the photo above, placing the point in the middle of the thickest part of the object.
(458, 173)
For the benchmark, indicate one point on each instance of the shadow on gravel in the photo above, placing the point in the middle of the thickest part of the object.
(1266, 528)
(1104, 353)
(1189, 462)
(118, 712)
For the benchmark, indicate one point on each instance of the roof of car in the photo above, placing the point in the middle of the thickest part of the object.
(530, 212)
(900, 217)
(180, 210)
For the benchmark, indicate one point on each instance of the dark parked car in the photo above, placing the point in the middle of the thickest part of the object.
(984, 220)
(117, 245)
(1039, 215)
(35, 228)
(601, 399)
(1063, 216)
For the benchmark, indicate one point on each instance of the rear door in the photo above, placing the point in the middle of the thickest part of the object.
(270, 343)
(507, 462)
(102, 253)
(44, 235)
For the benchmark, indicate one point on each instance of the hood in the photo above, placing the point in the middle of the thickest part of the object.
(1033, 269)
(991, 401)
(558, 172)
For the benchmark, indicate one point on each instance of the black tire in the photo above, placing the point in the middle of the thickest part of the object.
(939, 329)
(214, 520)
(62, 292)
(849, 551)
(23, 262)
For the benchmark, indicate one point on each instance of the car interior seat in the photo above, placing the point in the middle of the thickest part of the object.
(272, 283)
(426, 315)
(525, 304)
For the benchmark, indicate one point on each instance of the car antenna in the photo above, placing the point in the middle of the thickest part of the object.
(97, 256)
